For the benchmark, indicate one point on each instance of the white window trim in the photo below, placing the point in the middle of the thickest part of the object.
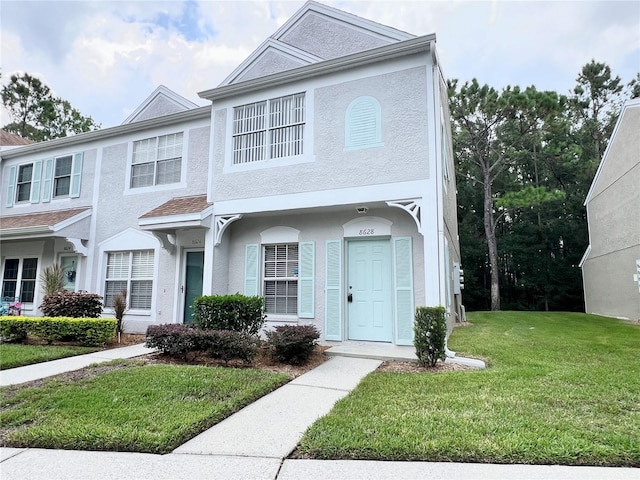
(53, 177)
(263, 279)
(123, 242)
(130, 279)
(15, 192)
(30, 306)
(128, 190)
(306, 157)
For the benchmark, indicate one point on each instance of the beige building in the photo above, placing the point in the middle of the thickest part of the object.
(611, 264)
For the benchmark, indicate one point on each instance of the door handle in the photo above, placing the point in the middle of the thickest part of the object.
(181, 288)
(350, 298)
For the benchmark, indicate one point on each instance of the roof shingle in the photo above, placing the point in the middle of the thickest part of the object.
(179, 206)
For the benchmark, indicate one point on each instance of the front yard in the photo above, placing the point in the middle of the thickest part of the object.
(135, 407)
(14, 355)
(561, 388)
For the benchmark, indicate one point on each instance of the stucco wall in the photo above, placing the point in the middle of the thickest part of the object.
(269, 63)
(611, 289)
(318, 228)
(328, 166)
(327, 39)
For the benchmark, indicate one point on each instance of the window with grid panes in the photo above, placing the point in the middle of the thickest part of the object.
(269, 129)
(62, 176)
(133, 272)
(280, 278)
(157, 161)
(23, 186)
(19, 279)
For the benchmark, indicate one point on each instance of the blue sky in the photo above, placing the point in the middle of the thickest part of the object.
(107, 56)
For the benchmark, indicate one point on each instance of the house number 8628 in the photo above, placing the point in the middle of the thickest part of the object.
(366, 231)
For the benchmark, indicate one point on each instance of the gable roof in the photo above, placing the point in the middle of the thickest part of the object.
(162, 101)
(179, 206)
(635, 103)
(8, 139)
(314, 33)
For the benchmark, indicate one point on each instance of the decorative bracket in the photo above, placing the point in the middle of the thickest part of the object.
(167, 241)
(412, 207)
(222, 222)
(78, 246)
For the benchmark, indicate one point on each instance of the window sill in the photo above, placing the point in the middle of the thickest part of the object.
(278, 318)
(154, 188)
(273, 162)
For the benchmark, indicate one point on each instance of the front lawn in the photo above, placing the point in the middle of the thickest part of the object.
(561, 388)
(134, 407)
(17, 355)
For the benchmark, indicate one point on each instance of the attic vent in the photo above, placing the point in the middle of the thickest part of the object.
(363, 124)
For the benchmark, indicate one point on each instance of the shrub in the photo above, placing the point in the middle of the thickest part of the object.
(86, 331)
(119, 307)
(228, 345)
(173, 339)
(237, 312)
(52, 279)
(72, 304)
(292, 344)
(430, 335)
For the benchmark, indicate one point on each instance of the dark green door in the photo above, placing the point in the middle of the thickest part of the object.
(192, 281)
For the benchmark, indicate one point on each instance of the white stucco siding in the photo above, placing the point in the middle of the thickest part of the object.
(325, 164)
(318, 228)
(267, 64)
(88, 155)
(329, 39)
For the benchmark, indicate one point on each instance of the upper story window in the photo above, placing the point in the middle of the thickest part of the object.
(269, 129)
(43, 180)
(62, 176)
(157, 161)
(23, 185)
(363, 124)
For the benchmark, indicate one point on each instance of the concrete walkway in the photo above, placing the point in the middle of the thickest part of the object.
(254, 442)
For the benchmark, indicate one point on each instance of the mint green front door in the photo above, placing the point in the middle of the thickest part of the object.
(194, 268)
(369, 290)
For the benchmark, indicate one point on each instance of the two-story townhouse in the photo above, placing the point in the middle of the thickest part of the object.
(321, 177)
(332, 179)
(77, 201)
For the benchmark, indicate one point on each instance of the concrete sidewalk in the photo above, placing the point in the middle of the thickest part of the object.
(37, 371)
(255, 442)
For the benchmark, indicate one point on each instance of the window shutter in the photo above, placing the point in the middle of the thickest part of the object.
(333, 291)
(11, 187)
(36, 181)
(306, 280)
(251, 270)
(76, 176)
(48, 180)
(403, 276)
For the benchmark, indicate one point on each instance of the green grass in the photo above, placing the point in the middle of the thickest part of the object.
(137, 408)
(17, 355)
(561, 388)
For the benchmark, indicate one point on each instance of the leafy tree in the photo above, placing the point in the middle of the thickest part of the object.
(37, 114)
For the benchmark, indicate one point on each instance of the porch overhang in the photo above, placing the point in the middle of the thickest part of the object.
(72, 225)
(181, 213)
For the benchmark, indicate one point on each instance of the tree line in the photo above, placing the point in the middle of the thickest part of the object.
(525, 160)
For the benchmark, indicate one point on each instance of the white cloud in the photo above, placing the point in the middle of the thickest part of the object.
(106, 57)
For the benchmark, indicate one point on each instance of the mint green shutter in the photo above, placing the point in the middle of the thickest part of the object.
(403, 294)
(11, 186)
(333, 291)
(36, 180)
(76, 176)
(306, 280)
(48, 180)
(251, 270)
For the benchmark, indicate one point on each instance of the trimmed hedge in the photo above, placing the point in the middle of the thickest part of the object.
(86, 331)
(180, 340)
(430, 330)
(72, 304)
(292, 344)
(238, 313)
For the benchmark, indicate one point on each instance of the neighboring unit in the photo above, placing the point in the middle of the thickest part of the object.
(611, 264)
(321, 178)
